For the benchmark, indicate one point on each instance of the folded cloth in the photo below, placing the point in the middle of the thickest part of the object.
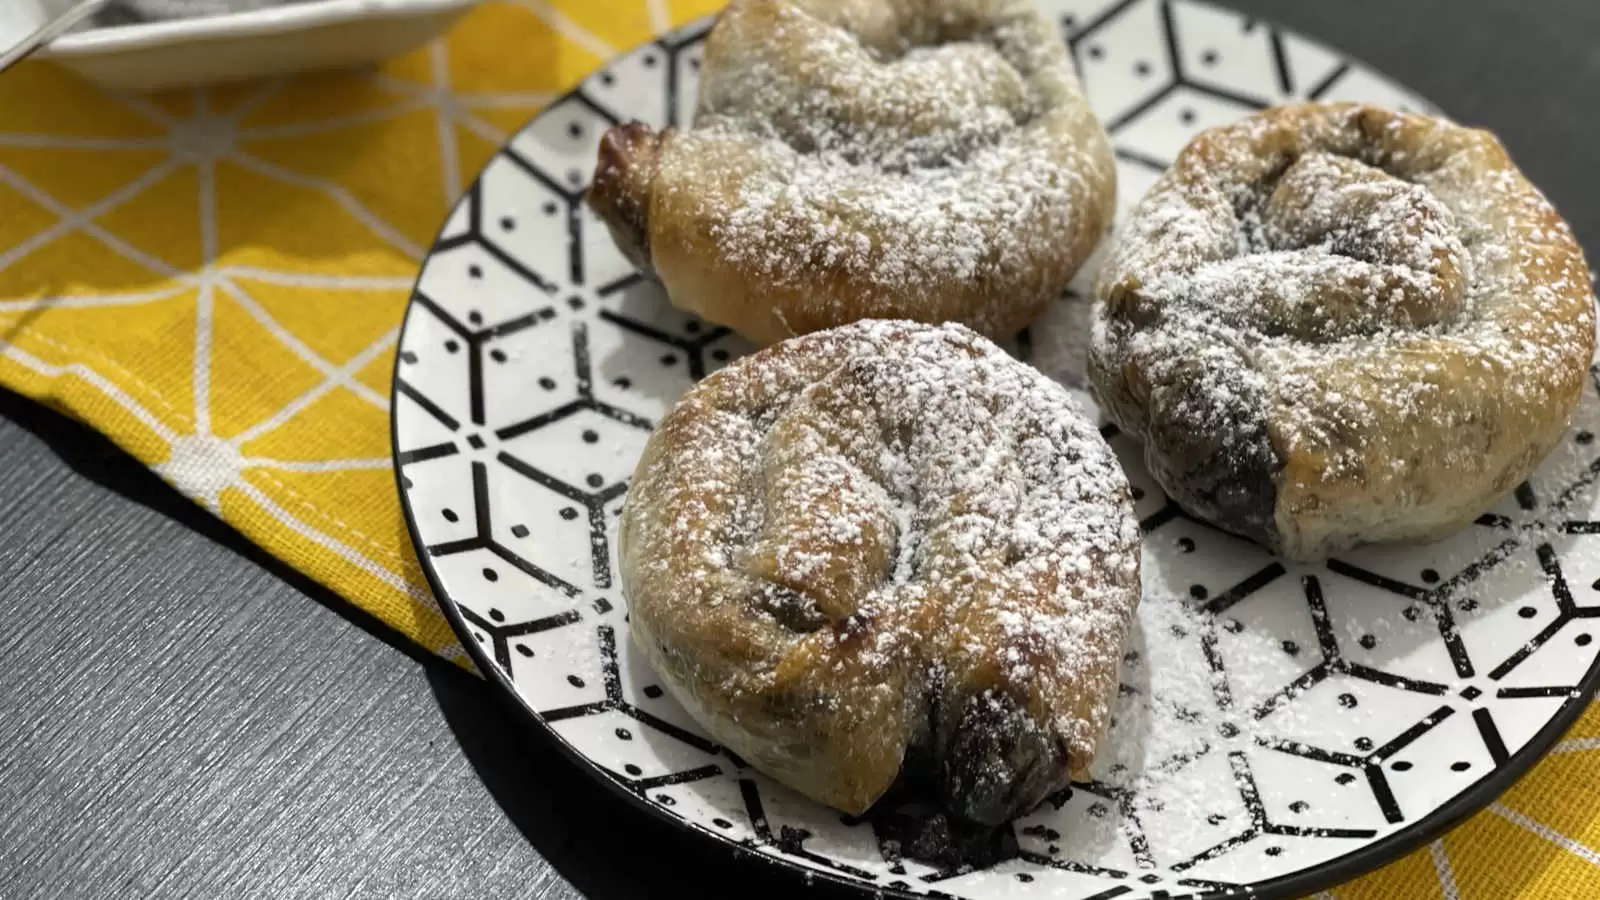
(215, 279)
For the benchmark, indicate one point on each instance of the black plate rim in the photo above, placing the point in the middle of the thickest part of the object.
(1330, 874)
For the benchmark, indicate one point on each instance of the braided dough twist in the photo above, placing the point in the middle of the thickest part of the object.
(1332, 325)
(931, 160)
(884, 536)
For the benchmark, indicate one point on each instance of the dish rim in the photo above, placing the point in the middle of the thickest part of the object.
(1327, 875)
(293, 17)
(1339, 870)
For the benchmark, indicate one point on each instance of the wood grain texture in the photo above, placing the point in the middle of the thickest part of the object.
(184, 718)
(187, 719)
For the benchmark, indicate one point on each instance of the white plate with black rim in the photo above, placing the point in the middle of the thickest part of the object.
(1280, 728)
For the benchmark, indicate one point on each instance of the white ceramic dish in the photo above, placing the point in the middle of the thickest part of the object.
(320, 34)
(1281, 728)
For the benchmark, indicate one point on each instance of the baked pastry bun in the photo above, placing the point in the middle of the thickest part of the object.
(883, 537)
(1332, 325)
(931, 160)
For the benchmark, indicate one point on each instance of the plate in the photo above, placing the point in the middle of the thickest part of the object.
(278, 40)
(1279, 727)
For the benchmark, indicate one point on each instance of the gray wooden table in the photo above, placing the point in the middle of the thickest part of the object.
(186, 718)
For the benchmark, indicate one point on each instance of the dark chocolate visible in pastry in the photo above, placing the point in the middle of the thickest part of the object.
(1333, 325)
(880, 537)
(931, 160)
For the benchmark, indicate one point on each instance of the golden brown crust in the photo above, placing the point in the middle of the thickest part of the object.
(932, 160)
(620, 190)
(879, 536)
(1334, 324)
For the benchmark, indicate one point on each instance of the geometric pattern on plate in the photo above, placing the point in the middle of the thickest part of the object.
(1295, 714)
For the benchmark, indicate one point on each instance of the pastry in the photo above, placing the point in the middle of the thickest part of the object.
(931, 160)
(1334, 325)
(884, 537)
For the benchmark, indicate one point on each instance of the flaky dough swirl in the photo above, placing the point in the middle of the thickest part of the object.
(884, 536)
(931, 160)
(1333, 324)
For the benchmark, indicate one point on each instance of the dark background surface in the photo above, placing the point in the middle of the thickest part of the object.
(186, 718)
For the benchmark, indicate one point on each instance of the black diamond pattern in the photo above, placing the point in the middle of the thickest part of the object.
(570, 323)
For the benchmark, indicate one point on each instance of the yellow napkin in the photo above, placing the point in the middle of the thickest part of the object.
(215, 279)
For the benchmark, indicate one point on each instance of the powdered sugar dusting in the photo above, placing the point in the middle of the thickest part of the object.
(1079, 843)
(897, 230)
(898, 508)
(1372, 312)
(929, 163)
(1181, 715)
